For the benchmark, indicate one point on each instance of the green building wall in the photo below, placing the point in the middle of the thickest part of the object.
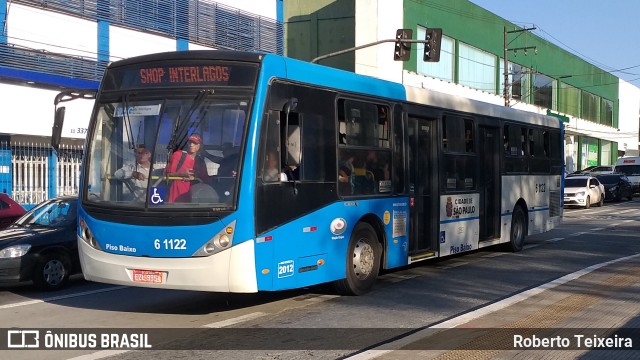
(473, 25)
(315, 28)
(319, 27)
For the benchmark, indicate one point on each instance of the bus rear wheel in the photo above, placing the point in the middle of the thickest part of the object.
(363, 261)
(518, 230)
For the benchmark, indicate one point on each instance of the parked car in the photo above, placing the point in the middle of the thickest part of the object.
(10, 210)
(594, 170)
(583, 190)
(41, 246)
(616, 186)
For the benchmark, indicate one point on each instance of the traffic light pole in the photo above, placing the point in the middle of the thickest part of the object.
(366, 46)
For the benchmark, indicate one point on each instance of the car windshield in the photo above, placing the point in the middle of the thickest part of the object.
(169, 152)
(51, 213)
(629, 170)
(569, 182)
(609, 179)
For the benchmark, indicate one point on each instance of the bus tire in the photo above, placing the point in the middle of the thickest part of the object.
(52, 272)
(518, 230)
(363, 261)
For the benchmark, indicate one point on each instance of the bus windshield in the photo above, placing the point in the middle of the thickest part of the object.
(166, 152)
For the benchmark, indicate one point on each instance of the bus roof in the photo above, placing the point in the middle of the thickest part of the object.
(447, 101)
(628, 160)
(191, 55)
(303, 71)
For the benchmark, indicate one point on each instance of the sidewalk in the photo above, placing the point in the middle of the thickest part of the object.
(571, 313)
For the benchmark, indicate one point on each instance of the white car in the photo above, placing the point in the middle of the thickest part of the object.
(583, 190)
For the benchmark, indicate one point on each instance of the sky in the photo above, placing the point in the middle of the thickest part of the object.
(604, 33)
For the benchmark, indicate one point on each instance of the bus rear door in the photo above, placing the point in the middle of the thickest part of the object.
(423, 187)
(489, 182)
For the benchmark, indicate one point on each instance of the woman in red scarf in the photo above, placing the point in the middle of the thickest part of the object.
(187, 165)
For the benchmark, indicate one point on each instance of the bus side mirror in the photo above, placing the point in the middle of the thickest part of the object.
(56, 130)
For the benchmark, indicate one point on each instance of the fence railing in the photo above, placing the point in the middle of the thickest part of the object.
(36, 173)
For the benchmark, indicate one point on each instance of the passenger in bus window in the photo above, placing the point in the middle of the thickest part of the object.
(272, 169)
(136, 174)
(345, 170)
(185, 166)
(468, 141)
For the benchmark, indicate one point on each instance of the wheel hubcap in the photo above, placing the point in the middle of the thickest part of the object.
(363, 259)
(54, 272)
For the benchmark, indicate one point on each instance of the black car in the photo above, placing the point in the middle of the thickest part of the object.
(616, 186)
(41, 246)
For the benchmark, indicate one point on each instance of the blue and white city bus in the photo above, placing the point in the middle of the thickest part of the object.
(371, 175)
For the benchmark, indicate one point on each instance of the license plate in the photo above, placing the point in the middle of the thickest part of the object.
(148, 276)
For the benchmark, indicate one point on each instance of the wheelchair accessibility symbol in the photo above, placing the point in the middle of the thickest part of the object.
(157, 195)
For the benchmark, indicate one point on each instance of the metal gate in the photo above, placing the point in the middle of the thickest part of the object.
(32, 165)
(69, 166)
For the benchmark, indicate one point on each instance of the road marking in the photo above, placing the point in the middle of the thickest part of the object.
(320, 298)
(486, 310)
(100, 355)
(61, 297)
(555, 239)
(626, 211)
(597, 229)
(235, 320)
(452, 264)
(490, 255)
(578, 233)
(394, 278)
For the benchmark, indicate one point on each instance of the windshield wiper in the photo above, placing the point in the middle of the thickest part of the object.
(127, 121)
(181, 127)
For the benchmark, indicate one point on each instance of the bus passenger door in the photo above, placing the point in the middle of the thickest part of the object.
(423, 175)
(489, 183)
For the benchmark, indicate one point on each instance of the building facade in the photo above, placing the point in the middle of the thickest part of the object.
(600, 111)
(49, 46)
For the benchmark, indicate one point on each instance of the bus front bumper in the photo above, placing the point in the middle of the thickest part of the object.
(232, 270)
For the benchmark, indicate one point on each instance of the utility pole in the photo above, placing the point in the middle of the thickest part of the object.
(506, 60)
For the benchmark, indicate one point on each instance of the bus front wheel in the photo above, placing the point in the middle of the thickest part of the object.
(363, 261)
(518, 230)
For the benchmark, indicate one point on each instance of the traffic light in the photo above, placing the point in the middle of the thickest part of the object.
(402, 50)
(432, 45)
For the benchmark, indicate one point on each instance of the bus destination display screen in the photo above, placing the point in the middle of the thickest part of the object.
(183, 74)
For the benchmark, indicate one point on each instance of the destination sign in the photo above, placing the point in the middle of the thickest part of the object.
(184, 74)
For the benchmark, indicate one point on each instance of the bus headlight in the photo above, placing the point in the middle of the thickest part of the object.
(87, 235)
(220, 241)
(223, 241)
